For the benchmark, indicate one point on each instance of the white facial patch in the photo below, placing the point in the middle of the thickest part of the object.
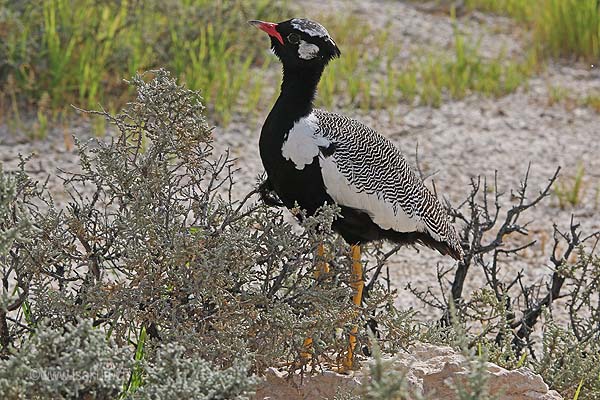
(307, 51)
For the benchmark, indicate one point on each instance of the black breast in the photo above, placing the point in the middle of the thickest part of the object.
(302, 186)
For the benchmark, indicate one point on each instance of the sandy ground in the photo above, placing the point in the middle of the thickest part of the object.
(458, 141)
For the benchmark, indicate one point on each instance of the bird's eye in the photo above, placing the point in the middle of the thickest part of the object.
(293, 38)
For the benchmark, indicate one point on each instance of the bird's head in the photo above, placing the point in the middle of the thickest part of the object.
(300, 43)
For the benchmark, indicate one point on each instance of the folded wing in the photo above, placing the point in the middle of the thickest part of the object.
(367, 172)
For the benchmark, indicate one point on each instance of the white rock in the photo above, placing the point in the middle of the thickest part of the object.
(429, 370)
(278, 387)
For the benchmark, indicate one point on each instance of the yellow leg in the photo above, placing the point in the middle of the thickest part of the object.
(307, 346)
(357, 283)
(322, 268)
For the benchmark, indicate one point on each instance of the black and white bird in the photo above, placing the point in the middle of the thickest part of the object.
(313, 157)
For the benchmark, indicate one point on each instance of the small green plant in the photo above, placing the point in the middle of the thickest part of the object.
(570, 99)
(519, 9)
(136, 378)
(592, 100)
(384, 382)
(569, 193)
(40, 129)
(557, 95)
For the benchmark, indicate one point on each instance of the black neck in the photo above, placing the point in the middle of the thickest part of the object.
(298, 91)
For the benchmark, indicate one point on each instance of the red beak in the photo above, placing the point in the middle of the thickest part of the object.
(268, 27)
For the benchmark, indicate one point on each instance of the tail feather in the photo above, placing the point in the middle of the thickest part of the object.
(356, 226)
(411, 238)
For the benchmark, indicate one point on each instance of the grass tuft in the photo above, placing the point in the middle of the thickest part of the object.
(570, 99)
(463, 73)
(383, 80)
(561, 28)
(570, 193)
(51, 56)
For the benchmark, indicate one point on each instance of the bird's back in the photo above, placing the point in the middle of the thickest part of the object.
(367, 172)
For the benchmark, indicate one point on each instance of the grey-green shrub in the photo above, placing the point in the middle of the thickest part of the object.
(150, 240)
(70, 362)
(174, 376)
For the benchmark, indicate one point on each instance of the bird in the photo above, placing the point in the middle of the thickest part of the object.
(314, 157)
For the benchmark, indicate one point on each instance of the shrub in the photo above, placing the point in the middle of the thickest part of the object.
(507, 316)
(153, 266)
(72, 362)
(153, 252)
(174, 376)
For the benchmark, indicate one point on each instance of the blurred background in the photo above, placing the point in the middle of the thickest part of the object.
(54, 53)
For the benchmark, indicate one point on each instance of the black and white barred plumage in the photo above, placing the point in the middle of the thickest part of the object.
(363, 170)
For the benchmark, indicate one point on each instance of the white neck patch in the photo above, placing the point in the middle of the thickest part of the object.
(303, 142)
(307, 51)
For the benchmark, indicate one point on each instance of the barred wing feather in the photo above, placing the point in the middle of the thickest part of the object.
(369, 173)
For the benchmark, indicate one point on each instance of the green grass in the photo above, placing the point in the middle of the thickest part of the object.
(518, 9)
(136, 379)
(53, 60)
(466, 72)
(428, 79)
(558, 94)
(561, 28)
(566, 28)
(570, 192)
(78, 52)
(592, 100)
(578, 391)
(571, 99)
(353, 74)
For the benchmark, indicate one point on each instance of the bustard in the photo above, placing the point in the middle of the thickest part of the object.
(313, 157)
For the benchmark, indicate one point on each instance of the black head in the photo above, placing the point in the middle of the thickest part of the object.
(300, 42)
